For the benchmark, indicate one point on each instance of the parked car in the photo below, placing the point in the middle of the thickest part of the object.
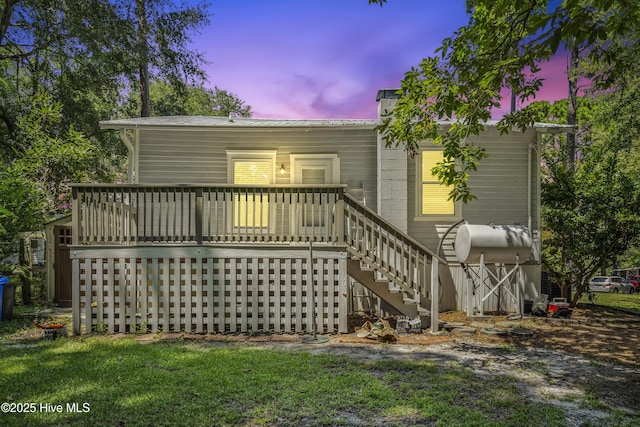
(612, 284)
(634, 281)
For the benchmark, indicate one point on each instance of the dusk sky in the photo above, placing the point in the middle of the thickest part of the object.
(327, 58)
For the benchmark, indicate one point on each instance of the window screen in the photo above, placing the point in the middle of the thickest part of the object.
(251, 210)
(434, 194)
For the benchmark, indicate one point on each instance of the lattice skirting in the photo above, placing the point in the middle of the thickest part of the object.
(208, 289)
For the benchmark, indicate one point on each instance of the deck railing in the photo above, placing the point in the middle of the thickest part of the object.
(389, 251)
(134, 214)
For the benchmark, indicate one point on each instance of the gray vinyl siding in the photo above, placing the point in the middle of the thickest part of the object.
(500, 185)
(187, 156)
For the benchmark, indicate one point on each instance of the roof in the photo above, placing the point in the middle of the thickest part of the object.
(243, 122)
(212, 121)
(61, 220)
(553, 127)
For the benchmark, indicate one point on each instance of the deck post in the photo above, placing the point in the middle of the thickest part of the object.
(435, 294)
(75, 296)
(75, 216)
(199, 215)
(339, 221)
(342, 293)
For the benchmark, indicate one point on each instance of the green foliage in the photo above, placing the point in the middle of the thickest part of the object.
(47, 158)
(191, 101)
(160, 32)
(631, 258)
(87, 55)
(52, 158)
(6, 216)
(500, 49)
(590, 211)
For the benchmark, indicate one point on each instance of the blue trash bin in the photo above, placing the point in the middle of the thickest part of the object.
(3, 281)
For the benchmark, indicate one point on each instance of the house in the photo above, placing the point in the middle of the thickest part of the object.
(33, 254)
(241, 224)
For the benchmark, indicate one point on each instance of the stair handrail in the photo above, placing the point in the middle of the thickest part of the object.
(368, 212)
(415, 287)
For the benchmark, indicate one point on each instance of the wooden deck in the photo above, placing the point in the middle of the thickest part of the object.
(135, 214)
(234, 258)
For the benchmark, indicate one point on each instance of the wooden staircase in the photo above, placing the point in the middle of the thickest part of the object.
(392, 265)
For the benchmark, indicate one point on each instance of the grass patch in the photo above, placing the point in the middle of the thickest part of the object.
(590, 400)
(617, 301)
(126, 383)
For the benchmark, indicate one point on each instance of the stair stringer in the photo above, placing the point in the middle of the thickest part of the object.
(378, 247)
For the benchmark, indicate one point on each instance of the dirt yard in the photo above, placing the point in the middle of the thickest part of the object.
(593, 355)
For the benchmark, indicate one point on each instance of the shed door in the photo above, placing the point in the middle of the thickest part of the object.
(62, 266)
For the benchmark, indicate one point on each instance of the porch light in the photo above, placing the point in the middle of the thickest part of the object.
(282, 169)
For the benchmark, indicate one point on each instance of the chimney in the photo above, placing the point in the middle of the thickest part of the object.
(392, 188)
(386, 99)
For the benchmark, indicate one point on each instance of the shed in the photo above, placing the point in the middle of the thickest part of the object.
(58, 238)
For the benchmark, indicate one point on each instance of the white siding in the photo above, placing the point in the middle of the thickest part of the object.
(500, 185)
(198, 156)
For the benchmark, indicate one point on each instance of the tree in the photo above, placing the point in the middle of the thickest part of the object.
(87, 54)
(466, 79)
(162, 34)
(192, 101)
(590, 206)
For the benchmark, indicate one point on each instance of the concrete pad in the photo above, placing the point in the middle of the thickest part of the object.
(465, 330)
(507, 324)
(493, 331)
(453, 325)
(522, 332)
(481, 325)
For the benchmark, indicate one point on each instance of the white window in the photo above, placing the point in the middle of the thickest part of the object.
(251, 168)
(433, 197)
(315, 168)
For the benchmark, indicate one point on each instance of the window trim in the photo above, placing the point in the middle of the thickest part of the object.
(320, 160)
(418, 215)
(251, 156)
(234, 156)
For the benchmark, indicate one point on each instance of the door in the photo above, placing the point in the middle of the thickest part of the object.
(314, 209)
(62, 265)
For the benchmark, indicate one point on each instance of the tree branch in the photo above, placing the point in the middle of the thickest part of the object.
(5, 17)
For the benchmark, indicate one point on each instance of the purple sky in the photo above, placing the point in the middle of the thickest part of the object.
(327, 58)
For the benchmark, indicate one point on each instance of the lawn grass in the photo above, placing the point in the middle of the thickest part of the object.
(617, 301)
(198, 384)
